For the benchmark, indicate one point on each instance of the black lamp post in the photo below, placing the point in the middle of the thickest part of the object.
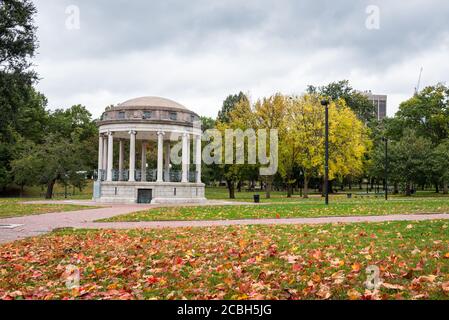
(325, 104)
(384, 139)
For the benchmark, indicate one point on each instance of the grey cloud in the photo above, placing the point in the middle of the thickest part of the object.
(227, 45)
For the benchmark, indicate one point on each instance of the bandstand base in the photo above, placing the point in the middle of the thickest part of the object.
(149, 192)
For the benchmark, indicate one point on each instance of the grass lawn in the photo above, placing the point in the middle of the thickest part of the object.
(291, 210)
(12, 208)
(221, 193)
(38, 192)
(239, 262)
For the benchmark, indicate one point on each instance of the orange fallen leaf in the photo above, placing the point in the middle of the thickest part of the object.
(430, 278)
(392, 286)
(324, 292)
(445, 287)
(356, 267)
(353, 294)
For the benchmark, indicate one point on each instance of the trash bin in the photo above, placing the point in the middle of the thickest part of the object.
(256, 198)
(349, 195)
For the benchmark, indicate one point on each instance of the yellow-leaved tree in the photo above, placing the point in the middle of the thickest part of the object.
(269, 114)
(304, 124)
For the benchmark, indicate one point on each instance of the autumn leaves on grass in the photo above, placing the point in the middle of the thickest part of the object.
(239, 262)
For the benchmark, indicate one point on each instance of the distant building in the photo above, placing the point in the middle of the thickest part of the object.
(380, 103)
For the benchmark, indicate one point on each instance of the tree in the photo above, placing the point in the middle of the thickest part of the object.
(30, 123)
(240, 116)
(228, 105)
(427, 113)
(269, 114)
(18, 45)
(348, 138)
(439, 164)
(355, 100)
(57, 159)
(409, 159)
(21, 107)
(231, 172)
(76, 124)
(68, 150)
(23, 168)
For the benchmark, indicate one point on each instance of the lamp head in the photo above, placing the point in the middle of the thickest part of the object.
(325, 102)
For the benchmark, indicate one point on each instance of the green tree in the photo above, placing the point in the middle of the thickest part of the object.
(409, 159)
(228, 105)
(18, 45)
(439, 164)
(21, 107)
(231, 173)
(355, 100)
(427, 113)
(56, 160)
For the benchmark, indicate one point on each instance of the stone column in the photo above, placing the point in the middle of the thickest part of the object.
(143, 166)
(189, 161)
(121, 159)
(167, 161)
(198, 158)
(184, 158)
(160, 156)
(100, 156)
(132, 156)
(110, 155)
(105, 153)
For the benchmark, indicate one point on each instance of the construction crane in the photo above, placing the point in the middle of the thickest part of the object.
(419, 81)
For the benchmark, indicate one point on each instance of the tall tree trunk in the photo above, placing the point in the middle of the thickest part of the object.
(408, 191)
(330, 186)
(306, 186)
(437, 188)
(396, 188)
(231, 188)
(445, 188)
(289, 190)
(50, 186)
(268, 187)
(239, 186)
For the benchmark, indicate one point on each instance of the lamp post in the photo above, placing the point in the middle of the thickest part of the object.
(325, 104)
(384, 139)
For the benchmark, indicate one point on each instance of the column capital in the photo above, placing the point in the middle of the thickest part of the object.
(132, 132)
(110, 133)
(160, 133)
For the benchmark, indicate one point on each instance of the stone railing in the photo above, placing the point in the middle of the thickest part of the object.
(150, 176)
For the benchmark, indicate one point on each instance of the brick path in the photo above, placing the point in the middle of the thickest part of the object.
(83, 219)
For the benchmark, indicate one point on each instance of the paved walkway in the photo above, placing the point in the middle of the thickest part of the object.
(84, 219)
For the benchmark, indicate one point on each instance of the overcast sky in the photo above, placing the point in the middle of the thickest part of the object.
(197, 52)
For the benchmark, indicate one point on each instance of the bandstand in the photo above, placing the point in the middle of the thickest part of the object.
(158, 129)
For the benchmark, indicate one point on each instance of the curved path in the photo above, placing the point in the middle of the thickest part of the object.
(84, 219)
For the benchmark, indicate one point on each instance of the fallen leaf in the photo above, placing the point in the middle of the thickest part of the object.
(392, 286)
(324, 292)
(445, 287)
(353, 294)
